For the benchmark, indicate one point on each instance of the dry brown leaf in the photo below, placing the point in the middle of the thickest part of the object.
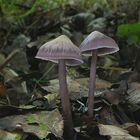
(78, 88)
(132, 128)
(100, 84)
(134, 93)
(73, 87)
(116, 133)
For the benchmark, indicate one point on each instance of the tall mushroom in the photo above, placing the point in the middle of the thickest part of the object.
(96, 44)
(62, 51)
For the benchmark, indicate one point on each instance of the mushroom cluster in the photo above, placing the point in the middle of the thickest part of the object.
(62, 51)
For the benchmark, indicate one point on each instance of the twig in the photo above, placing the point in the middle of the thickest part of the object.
(9, 58)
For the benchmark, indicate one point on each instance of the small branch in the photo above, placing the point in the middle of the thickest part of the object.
(9, 58)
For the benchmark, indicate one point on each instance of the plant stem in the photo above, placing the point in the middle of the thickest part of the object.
(68, 125)
(92, 83)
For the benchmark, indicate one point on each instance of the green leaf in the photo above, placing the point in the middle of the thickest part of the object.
(17, 137)
(43, 127)
(130, 31)
(133, 39)
(31, 120)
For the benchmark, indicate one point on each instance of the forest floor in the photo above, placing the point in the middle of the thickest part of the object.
(30, 106)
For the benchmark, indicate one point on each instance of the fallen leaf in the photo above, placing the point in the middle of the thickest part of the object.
(107, 117)
(116, 133)
(100, 84)
(40, 124)
(52, 99)
(8, 74)
(20, 62)
(132, 128)
(2, 59)
(134, 93)
(112, 97)
(78, 88)
(17, 91)
(73, 87)
(4, 135)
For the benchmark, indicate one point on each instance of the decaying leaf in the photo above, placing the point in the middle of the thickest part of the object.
(40, 124)
(4, 135)
(134, 93)
(100, 84)
(52, 99)
(97, 24)
(8, 74)
(112, 97)
(20, 62)
(78, 88)
(107, 117)
(40, 40)
(73, 86)
(132, 128)
(9, 58)
(116, 133)
(17, 91)
(111, 73)
(2, 59)
(65, 31)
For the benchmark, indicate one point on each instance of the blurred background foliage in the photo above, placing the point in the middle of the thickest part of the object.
(41, 20)
(131, 31)
(15, 9)
(15, 12)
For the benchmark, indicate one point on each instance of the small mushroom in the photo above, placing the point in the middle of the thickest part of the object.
(95, 44)
(62, 51)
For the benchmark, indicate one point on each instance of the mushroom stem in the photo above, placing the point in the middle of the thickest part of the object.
(68, 125)
(92, 83)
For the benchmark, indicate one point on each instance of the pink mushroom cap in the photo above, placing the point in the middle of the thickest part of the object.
(60, 48)
(98, 41)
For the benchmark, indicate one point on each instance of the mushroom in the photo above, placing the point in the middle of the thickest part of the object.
(62, 51)
(96, 44)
